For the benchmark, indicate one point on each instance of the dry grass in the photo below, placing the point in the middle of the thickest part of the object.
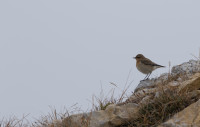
(58, 119)
(53, 119)
(15, 122)
(169, 102)
(102, 101)
(196, 57)
(152, 113)
(161, 108)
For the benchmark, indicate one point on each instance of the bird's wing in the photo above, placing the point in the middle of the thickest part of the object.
(149, 62)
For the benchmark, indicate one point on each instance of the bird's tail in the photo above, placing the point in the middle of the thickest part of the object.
(160, 65)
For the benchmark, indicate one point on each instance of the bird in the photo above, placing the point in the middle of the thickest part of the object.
(145, 65)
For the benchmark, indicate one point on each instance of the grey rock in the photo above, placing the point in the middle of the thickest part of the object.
(151, 83)
(190, 67)
(145, 84)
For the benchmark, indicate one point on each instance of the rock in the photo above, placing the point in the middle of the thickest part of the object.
(174, 83)
(190, 67)
(146, 99)
(193, 83)
(138, 96)
(151, 83)
(194, 94)
(78, 120)
(189, 117)
(113, 116)
(145, 84)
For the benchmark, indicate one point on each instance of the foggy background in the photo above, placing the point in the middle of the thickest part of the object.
(59, 53)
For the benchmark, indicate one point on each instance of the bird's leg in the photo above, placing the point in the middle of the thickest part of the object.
(149, 75)
(145, 77)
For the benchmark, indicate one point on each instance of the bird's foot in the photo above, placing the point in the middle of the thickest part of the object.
(144, 79)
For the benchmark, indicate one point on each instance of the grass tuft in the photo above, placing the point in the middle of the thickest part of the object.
(161, 108)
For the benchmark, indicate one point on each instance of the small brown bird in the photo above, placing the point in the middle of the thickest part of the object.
(145, 65)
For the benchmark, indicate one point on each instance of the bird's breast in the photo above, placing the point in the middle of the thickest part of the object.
(145, 69)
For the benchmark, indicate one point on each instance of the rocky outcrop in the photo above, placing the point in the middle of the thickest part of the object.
(180, 72)
(193, 83)
(183, 78)
(189, 117)
(111, 117)
(189, 68)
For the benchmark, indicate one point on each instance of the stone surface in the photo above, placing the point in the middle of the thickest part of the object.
(190, 67)
(193, 83)
(145, 84)
(189, 117)
(151, 83)
(138, 96)
(111, 117)
(78, 120)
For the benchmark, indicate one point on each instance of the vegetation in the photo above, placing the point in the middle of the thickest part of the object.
(161, 108)
(55, 119)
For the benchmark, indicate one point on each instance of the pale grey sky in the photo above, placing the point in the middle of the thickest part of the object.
(56, 53)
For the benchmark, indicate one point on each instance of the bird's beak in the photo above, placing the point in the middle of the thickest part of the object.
(134, 58)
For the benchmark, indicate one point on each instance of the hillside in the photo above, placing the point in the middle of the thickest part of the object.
(171, 100)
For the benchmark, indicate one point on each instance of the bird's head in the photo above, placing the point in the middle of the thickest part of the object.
(139, 56)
